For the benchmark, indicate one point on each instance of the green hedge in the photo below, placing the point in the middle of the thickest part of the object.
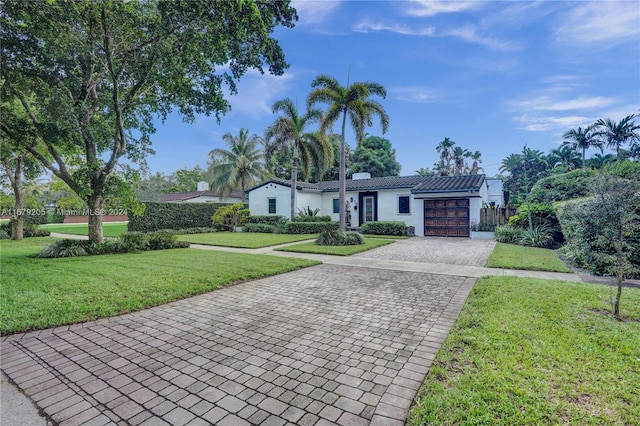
(260, 227)
(385, 228)
(309, 227)
(267, 220)
(565, 186)
(159, 216)
(312, 219)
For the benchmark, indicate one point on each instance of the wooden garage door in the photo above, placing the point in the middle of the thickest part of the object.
(446, 218)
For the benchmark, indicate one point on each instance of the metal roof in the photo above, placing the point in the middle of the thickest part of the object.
(182, 196)
(470, 183)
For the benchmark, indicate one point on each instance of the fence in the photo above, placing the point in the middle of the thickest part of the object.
(496, 215)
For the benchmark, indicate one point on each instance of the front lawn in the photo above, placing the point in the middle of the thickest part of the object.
(312, 247)
(108, 229)
(528, 351)
(42, 293)
(244, 239)
(512, 256)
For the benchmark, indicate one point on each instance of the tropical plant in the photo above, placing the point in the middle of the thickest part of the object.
(475, 166)
(424, 171)
(445, 149)
(616, 133)
(581, 139)
(230, 217)
(375, 156)
(537, 236)
(238, 167)
(459, 156)
(307, 149)
(597, 161)
(565, 157)
(352, 101)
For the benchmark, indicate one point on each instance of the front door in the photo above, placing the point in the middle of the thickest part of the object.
(369, 209)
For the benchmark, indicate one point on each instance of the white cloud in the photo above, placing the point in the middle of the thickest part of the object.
(366, 26)
(313, 12)
(601, 23)
(548, 103)
(257, 93)
(469, 33)
(414, 94)
(426, 8)
(548, 123)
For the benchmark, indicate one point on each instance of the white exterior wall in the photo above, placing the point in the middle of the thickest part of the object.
(388, 206)
(308, 199)
(326, 205)
(258, 204)
(495, 192)
(475, 204)
(417, 210)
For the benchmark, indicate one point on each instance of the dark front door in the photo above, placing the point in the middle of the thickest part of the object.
(368, 207)
(446, 218)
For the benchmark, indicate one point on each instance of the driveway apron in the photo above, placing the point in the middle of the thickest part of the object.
(330, 344)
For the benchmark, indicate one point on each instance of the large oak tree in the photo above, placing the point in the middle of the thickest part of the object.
(91, 75)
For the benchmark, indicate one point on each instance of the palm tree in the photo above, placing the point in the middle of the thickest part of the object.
(510, 163)
(599, 160)
(307, 149)
(475, 167)
(565, 156)
(581, 139)
(445, 149)
(459, 155)
(352, 101)
(240, 166)
(615, 134)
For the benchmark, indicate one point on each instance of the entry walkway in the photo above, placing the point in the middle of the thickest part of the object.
(347, 342)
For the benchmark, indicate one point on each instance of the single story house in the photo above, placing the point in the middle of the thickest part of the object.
(202, 195)
(434, 205)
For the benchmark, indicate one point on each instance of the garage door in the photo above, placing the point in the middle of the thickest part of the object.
(446, 218)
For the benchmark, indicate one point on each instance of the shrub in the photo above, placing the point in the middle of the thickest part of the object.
(565, 186)
(483, 226)
(385, 228)
(260, 227)
(28, 230)
(230, 216)
(268, 220)
(538, 236)
(312, 219)
(507, 234)
(159, 216)
(336, 237)
(542, 214)
(4, 235)
(161, 240)
(65, 248)
(133, 242)
(411, 231)
(309, 227)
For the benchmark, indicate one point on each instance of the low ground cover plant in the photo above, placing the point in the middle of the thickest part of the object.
(28, 231)
(529, 351)
(336, 237)
(130, 242)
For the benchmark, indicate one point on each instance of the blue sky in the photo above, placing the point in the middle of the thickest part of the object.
(490, 75)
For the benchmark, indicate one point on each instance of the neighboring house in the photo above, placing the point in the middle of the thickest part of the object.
(434, 205)
(202, 195)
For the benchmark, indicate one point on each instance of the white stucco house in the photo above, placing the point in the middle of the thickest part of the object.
(434, 205)
(201, 195)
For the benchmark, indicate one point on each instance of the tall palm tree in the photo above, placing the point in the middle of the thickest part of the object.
(475, 167)
(582, 139)
(307, 149)
(240, 166)
(459, 155)
(510, 163)
(615, 134)
(352, 101)
(445, 149)
(565, 156)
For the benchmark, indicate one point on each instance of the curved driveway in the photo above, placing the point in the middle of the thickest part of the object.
(330, 344)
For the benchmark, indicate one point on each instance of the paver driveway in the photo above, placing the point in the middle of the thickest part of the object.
(327, 344)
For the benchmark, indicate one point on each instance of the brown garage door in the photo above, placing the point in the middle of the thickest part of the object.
(446, 218)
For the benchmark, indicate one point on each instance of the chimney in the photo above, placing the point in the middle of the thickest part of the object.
(361, 176)
(203, 186)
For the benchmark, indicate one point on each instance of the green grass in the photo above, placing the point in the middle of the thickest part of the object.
(312, 247)
(42, 293)
(528, 351)
(243, 239)
(511, 256)
(108, 229)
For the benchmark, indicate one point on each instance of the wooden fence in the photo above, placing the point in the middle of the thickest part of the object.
(496, 215)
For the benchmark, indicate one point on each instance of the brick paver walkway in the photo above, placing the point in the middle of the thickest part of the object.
(324, 345)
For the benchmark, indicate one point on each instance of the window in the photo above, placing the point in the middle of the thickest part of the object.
(336, 205)
(272, 205)
(403, 204)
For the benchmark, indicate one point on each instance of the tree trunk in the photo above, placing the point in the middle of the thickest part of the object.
(294, 181)
(620, 274)
(342, 176)
(96, 206)
(17, 219)
(584, 159)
